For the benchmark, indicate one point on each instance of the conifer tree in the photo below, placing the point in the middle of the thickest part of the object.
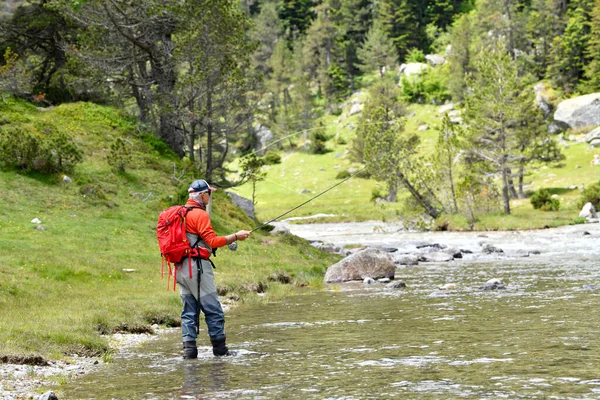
(545, 23)
(377, 52)
(592, 70)
(504, 124)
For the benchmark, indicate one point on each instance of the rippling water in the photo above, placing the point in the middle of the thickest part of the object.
(536, 339)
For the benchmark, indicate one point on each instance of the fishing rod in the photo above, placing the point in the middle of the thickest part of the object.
(233, 245)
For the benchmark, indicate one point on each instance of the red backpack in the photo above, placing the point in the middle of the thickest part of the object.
(173, 242)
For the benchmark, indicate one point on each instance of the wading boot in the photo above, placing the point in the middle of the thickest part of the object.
(219, 347)
(190, 350)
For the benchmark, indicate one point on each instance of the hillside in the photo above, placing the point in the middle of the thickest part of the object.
(65, 284)
(302, 175)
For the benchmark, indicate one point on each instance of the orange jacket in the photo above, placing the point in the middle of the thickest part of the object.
(197, 221)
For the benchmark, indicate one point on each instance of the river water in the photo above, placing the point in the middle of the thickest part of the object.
(538, 338)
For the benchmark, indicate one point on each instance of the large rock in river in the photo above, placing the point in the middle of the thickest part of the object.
(367, 263)
(579, 111)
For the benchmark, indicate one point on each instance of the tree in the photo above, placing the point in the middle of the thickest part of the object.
(568, 56)
(592, 70)
(296, 15)
(377, 52)
(252, 172)
(460, 57)
(545, 23)
(15, 79)
(355, 20)
(498, 114)
(445, 160)
(400, 23)
(267, 30)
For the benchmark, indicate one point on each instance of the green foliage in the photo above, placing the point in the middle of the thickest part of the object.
(318, 141)
(272, 157)
(343, 174)
(592, 70)
(46, 152)
(415, 56)
(251, 166)
(158, 145)
(591, 194)
(476, 196)
(542, 200)
(431, 87)
(579, 220)
(15, 79)
(377, 52)
(119, 157)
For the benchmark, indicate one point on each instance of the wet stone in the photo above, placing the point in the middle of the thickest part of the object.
(490, 249)
(368, 281)
(494, 284)
(383, 280)
(396, 285)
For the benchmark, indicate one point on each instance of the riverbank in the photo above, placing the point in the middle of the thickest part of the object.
(29, 378)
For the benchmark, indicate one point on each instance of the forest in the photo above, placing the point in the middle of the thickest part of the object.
(206, 76)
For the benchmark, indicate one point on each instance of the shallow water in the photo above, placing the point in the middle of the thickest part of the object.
(536, 339)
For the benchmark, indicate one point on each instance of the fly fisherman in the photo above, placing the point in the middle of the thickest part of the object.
(200, 233)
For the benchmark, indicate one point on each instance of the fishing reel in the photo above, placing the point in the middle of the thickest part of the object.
(233, 246)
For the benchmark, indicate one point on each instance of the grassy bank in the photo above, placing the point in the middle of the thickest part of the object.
(302, 175)
(62, 288)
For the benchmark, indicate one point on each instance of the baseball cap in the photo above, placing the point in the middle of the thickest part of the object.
(200, 185)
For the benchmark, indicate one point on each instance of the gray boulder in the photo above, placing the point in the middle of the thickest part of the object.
(494, 284)
(280, 229)
(541, 101)
(446, 108)
(436, 256)
(489, 249)
(406, 259)
(367, 263)
(264, 136)
(435, 59)
(355, 109)
(245, 204)
(592, 135)
(412, 69)
(588, 211)
(579, 111)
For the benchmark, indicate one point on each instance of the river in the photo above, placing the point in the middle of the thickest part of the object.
(538, 338)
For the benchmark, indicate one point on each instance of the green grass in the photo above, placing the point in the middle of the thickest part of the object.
(62, 287)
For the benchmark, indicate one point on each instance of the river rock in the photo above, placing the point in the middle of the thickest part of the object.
(368, 281)
(494, 284)
(436, 246)
(48, 396)
(446, 108)
(383, 280)
(588, 211)
(579, 111)
(406, 259)
(489, 249)
(396, 285)
(245, 204)
(435, 256)
(370, 262)
(280, 229)
(448, 286)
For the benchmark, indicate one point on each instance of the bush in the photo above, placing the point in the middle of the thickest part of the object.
(415, 55)
(318, 143)
(343, 174)
(119, 156)
(272, 158)
(591, 194)
(52, 151)
(542, 200)
(430, 86)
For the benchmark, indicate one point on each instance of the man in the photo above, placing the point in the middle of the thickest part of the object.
(201, 295)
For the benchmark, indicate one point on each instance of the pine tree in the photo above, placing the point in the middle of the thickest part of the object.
(355, 19)
(505, 127)
(445, 160)
(544, 24)
(461, 54)
(400, 24)
(377, 52)
(568, 56)
(296, 15)
(592, 70)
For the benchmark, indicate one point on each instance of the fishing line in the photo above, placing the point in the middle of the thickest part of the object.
(309, 200)
(233, 246)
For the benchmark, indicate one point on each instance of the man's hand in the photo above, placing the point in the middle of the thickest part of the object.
(242, 235)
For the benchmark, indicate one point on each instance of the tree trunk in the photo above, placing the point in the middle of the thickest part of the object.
(521, 173)
(393, 192)
(511, 184)
(505, 196)
(430, 209)
(209, 135)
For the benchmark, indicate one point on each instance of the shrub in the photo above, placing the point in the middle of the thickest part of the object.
(343, 174)
(578, 220)
(318, 143)
(415, 55)
(430, 86)
(591, 194)
(52, 151)
(272, 157)
(542, 200)
(119, 156)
